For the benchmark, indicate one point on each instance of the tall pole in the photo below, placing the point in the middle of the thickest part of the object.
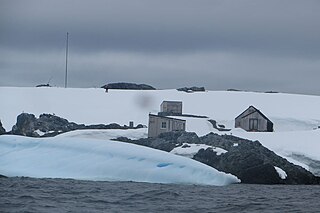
(66, 76)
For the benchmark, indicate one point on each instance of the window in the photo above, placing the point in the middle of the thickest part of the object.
(253, 124)
(163, 125)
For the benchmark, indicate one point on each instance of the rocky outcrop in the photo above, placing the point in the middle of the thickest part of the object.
(248, 160)
(2, 130)
(25, 125)
(218, 127)
(129, 86)
(192, 89)
(251, 162)
(48, 125)
(43, 85)
(165, 141)
(29, 125)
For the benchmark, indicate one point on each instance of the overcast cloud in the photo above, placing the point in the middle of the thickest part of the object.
(220, 44)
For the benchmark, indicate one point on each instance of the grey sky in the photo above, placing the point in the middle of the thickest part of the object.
(249, 45)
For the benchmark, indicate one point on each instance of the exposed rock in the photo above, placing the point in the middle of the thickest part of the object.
(130, 86)
(192, 89)
(48, 125)
(218, 127)
(234, 90)
(25, 125)
(261, 174)
(2, 130)
(188, 137)
(185, 146)
(166, 141)
(222, 141)
(2, 176)
(251, 158)
(43, 85)
(248, 160)
(271, 92)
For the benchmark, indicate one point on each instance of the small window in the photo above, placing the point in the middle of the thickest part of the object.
(163, 125)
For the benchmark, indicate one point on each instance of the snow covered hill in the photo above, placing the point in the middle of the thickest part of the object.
(296, 118)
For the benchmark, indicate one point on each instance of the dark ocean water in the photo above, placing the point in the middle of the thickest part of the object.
(66, 195)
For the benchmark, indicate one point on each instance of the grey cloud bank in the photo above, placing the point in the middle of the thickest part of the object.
(250, 45)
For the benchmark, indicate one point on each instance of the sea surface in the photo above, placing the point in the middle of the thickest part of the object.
(67, 195)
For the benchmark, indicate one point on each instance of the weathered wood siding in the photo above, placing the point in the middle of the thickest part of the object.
(174, 107)
(244, 123)
(156, 125)
(253, 117)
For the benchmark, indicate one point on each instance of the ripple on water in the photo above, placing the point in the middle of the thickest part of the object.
(67, 195)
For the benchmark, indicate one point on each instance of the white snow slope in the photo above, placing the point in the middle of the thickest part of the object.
(295, 117)
(92, 159)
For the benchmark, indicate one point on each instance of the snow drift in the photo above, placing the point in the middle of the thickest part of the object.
(92, 159)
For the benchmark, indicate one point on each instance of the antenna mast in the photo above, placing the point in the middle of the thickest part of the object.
(66, 76)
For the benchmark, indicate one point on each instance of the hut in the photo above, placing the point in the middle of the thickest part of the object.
(159, 124)
(252, 120)
(170, 108)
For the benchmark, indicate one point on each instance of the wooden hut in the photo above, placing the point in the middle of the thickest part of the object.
(159, 124)
(171, 108)
(252, 120)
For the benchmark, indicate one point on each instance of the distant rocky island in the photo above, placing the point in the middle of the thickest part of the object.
(192, 89)
(127, 86)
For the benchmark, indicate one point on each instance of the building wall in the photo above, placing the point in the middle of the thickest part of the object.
(155, 125)
(248, 111)
(245, 122)
(172, 107)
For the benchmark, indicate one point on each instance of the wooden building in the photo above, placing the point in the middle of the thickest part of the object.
(159, 124)
(171, 108)
(252, 120)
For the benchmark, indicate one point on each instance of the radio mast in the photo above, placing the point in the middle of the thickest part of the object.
(66, 75)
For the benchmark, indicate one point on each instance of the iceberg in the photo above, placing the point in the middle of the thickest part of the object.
(104, 160)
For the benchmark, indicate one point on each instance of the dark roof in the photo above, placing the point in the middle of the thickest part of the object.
(256, 110)
(160, 116)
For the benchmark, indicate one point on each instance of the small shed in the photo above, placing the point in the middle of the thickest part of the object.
(171, 108)
(159, 124)
(252, 120)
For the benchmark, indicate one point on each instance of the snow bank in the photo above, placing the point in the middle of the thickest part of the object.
(287, 144)
(189, 150)
(282, 174)
(91, 159)
(107, 134)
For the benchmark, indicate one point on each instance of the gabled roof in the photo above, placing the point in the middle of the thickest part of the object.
(255, 110)
(159, 116)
